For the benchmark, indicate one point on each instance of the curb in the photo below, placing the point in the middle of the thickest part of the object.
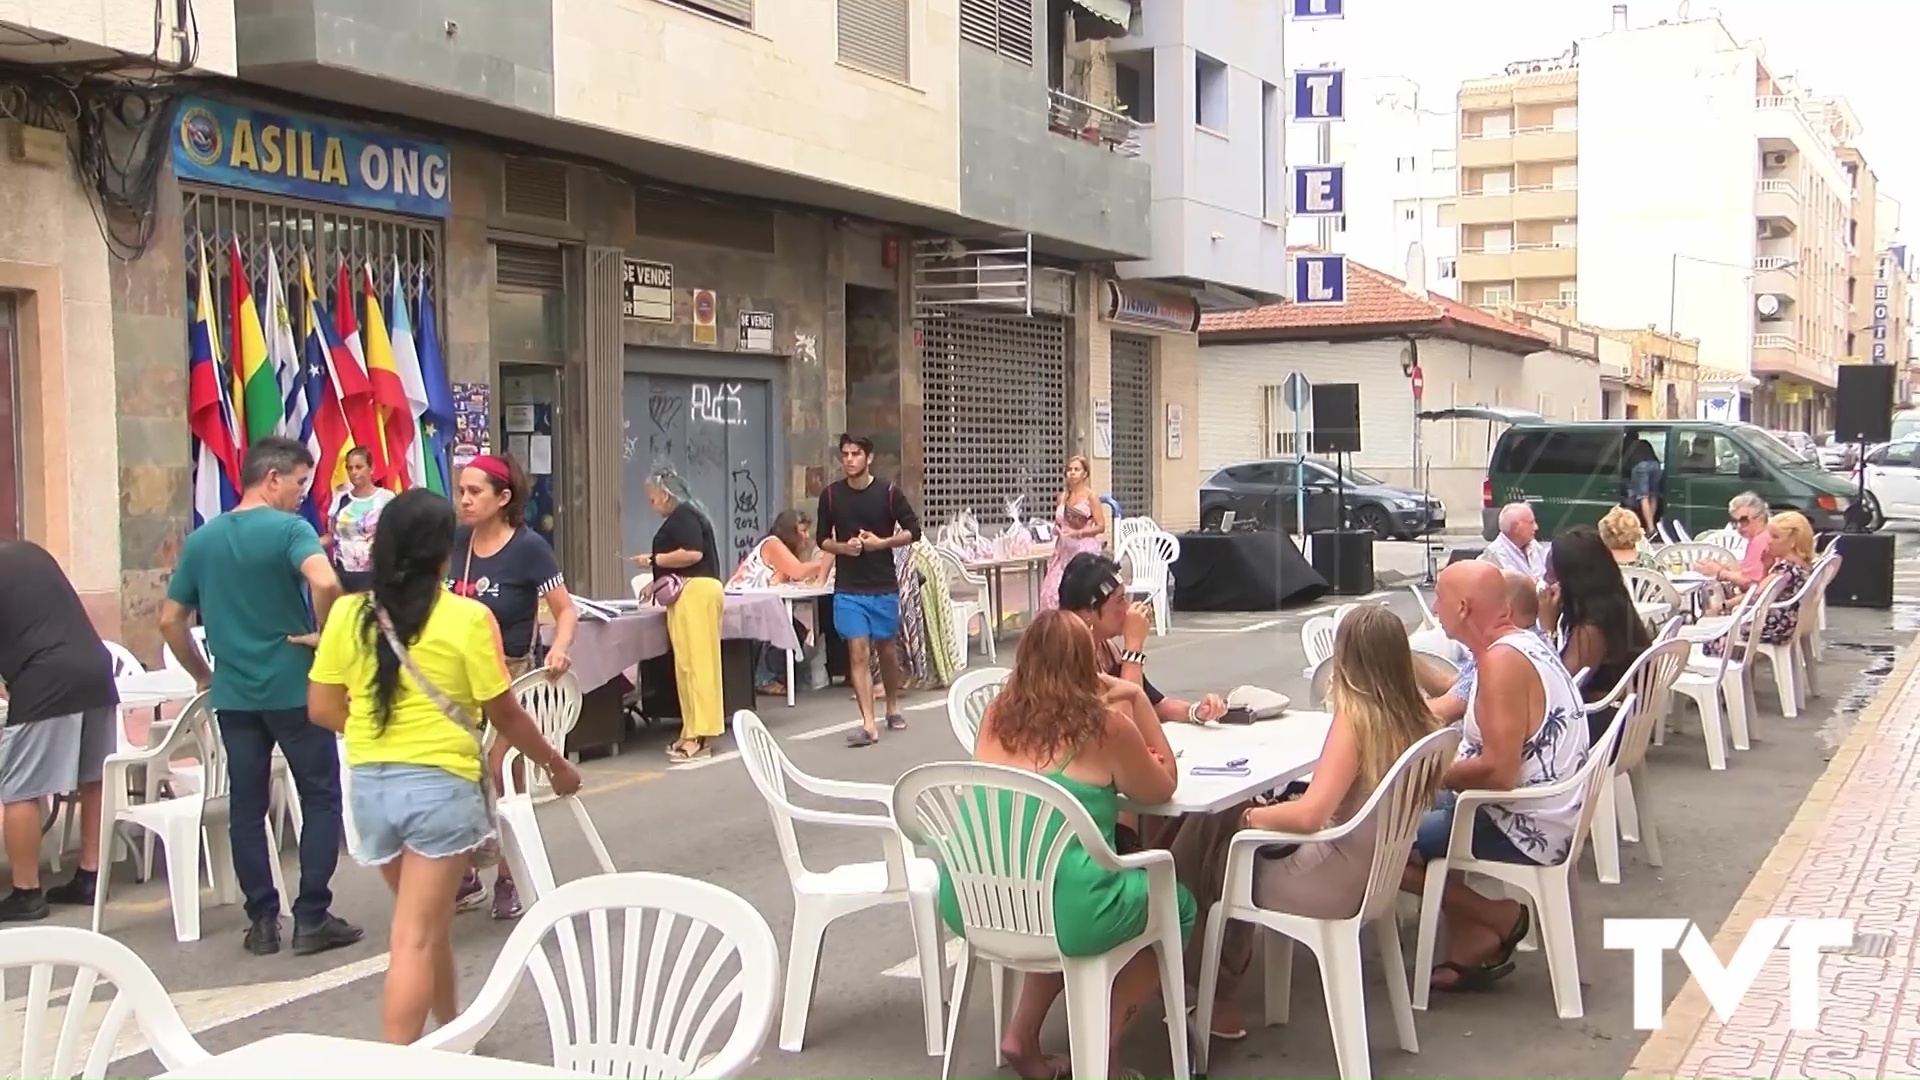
(1663, 1053)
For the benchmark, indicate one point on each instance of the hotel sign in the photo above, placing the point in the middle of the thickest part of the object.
(1133, 307)
(1882, 302)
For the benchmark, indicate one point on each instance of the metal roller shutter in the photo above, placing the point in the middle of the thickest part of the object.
(1132, 367)
(873, 36)
(994, 389)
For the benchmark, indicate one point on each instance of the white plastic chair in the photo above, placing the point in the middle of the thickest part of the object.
(639, 584)
(967, 701)
(1316, 640)
(554, 704)
(124, 662)
(965, 611)
(1428, 620)
(1651, 587)
(1320, 683)
(820, 899)
(172, 662)
(690, 955)
(1731, 671)
(1813, 640)
(1624, 811)
(1792, 675)
(1005, 892)
(1444, 663)
(1678, 530)
(1548, 890)
(522, 842)
(1397, 805)
(183, 823)
(1677, 558)
(1152, 555)
(1126, 528)
(62, 1015)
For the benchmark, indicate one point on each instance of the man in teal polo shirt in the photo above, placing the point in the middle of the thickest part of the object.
(247, 574)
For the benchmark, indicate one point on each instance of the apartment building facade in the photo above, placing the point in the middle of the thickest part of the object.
(1518, 210)
(944, 223)
(1398, 145)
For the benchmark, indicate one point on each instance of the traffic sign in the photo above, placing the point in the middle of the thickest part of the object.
(1298, 391)
(1419, 379)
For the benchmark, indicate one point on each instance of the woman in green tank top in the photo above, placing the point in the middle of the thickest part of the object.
(1058, 718)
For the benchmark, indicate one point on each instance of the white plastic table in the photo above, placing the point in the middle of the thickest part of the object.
(325, 1057)
(791, 595)
(1277, 751)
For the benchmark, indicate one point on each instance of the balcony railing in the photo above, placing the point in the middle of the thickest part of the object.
(1083, 120)
(1773, 341)
(1497, 133)
(1777, 101)
(1767, 263)
(1779, 187)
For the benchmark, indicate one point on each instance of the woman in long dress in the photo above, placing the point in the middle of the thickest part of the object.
(1079, 524)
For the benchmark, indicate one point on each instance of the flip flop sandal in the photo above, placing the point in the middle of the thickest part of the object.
(896, 722)
(680, 754)
(861, 737)
(1229, 1036)
(1514, 937)
(771, 690)
(1472, 980)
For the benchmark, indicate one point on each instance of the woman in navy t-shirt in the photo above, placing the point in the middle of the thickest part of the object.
(509, 568)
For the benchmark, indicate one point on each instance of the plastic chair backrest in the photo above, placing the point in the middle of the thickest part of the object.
(1744, 635)
(691, 956)
(1316, 637)
(554, 703)
(1593, 772)
(55, 1019)
(1125, 529)
(172, 662)
(639, 584)
(1151, 553)
(197, 731)
(1000, 833)
(1444, 663)
(967, 701)
(1428, 621)
(1398, 804)
(1320, 684)
(124, 662)
(1674, 558)
(768, 767)
(1650, 586)
(956, 569)
(518, 805)
(1650, 680)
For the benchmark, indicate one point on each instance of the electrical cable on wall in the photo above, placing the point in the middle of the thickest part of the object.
(116, 112)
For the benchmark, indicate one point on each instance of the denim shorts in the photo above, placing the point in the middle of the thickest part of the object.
(418, 808)
(1489, 843)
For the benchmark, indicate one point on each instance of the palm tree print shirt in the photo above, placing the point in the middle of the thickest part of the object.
(1555, 751)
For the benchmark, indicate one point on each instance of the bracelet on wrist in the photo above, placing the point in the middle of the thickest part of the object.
(1133, 656)
(1193, 713)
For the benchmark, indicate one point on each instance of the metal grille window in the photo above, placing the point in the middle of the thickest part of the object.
(534, 188)
(1132, 366)
(873, 36)
(324, 234)
(994, 415)
(528, 313)
(1005, 26)
(733, 11)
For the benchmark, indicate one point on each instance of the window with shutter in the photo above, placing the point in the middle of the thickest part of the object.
(873, 36)
(1005, 26)
(734, 11)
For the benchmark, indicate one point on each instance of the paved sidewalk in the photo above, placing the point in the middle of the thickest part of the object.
(1852, 851)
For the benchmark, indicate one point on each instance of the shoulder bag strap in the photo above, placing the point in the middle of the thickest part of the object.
(441, 701)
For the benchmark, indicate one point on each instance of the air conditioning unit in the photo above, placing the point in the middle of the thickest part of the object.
(1778, 158)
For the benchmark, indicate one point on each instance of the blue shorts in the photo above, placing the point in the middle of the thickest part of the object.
(874, 616)
(417, 808)
(1489, 843)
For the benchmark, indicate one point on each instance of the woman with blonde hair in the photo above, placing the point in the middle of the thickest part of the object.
(1620, 530)
(1060, 718)
(1378, 713)
(1079, 524)
(685, 562)
(1790, 546)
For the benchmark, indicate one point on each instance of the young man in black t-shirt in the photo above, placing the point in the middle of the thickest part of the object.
(862, 519)
(61, 721)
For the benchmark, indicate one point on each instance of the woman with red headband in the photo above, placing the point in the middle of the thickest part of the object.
(508, 568)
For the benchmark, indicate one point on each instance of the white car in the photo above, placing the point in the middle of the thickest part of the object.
(1893, 478)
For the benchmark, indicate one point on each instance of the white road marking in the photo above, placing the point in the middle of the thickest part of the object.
(910, 967)
(823, 732)
(1310, 612)
(204, 1010)
(925, 706)
(1247, 629)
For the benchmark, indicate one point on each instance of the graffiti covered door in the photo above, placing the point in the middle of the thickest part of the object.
(714, 433)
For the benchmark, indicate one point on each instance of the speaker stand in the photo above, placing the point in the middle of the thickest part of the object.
(1340, 516)
(1857, 519)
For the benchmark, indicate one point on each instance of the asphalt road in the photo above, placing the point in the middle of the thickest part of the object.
(706, 821)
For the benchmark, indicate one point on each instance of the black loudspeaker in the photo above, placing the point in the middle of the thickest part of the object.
(1863, 406)
(1336, 418)
(1345, 560)
(1865, 579)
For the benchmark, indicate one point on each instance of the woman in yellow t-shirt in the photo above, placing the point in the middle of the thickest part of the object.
(417, 801)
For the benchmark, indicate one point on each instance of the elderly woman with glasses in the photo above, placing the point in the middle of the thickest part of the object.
(1748, 513)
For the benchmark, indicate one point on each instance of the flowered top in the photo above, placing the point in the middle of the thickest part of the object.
(1784, 618)
(1555, 751)
(354, 520)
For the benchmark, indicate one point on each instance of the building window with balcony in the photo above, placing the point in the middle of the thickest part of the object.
(1497, 242)
(1133, 85)
(873, 36)
(1566, 118)
(1496, 295)
(1004, 26)
(1496, 183)
(1209, 93)
(1564, 233)
(1447, 269)
(1566, 177)
(1569, 293)
(1496, 126)
(738, 12)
